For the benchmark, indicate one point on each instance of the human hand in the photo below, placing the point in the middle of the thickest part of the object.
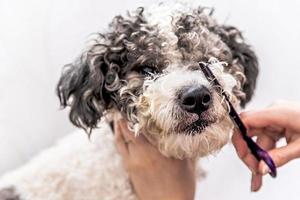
(281, 120)
(153, 175)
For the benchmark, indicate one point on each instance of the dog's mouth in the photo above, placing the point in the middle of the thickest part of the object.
(197, 127)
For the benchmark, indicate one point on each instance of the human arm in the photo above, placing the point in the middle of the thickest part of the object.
(153, 175)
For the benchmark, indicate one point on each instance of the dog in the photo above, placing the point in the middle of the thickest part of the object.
(144, 69)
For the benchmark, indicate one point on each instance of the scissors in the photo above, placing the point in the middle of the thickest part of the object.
(256, 150)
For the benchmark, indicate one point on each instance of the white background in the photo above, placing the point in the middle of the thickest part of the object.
(38, 37)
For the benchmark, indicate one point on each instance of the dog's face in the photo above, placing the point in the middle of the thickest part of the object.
(146, 68)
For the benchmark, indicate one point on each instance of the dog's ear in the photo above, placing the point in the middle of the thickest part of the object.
(81, 87)
(243, 55)
(91, 86)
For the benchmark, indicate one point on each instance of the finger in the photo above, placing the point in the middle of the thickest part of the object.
(275, 129)
(138, 139)
(266, 143)
(281, 156)
(127, 134)
(248, 158)
(277, 116)
(244, 153)
(263, 140)
(255, 132)
(141, 140)
(120, 141)
(271, 129)
(135, 144)
(256, 182)
(251, 162)
(239, 144)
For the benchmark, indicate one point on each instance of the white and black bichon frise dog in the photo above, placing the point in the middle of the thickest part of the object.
(145, 69)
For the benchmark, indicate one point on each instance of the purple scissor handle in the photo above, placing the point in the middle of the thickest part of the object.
(256, 150)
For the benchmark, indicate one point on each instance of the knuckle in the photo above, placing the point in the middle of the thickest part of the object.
(243, 156)
(279, 158)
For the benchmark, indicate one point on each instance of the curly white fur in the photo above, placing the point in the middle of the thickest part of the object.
(75, 169)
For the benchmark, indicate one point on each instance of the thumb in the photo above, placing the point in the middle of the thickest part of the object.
(281, 156)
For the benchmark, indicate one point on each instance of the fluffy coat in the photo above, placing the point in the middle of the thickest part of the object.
(139, 69)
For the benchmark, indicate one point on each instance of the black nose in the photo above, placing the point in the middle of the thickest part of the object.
(195, 99)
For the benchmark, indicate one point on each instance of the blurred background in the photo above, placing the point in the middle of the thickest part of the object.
(38, 37)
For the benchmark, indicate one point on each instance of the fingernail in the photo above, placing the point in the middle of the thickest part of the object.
(254, 187)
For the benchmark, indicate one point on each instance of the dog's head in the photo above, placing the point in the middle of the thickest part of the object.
(146, 68)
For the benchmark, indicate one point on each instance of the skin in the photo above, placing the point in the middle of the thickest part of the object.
(154, 176)
(281, 120)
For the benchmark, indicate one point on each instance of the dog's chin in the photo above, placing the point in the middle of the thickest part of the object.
(197, 139)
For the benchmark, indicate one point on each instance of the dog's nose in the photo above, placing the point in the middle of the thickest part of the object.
(195, 99)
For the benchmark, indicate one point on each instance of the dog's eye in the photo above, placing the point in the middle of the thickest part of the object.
(110, 78)
(148, 70)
